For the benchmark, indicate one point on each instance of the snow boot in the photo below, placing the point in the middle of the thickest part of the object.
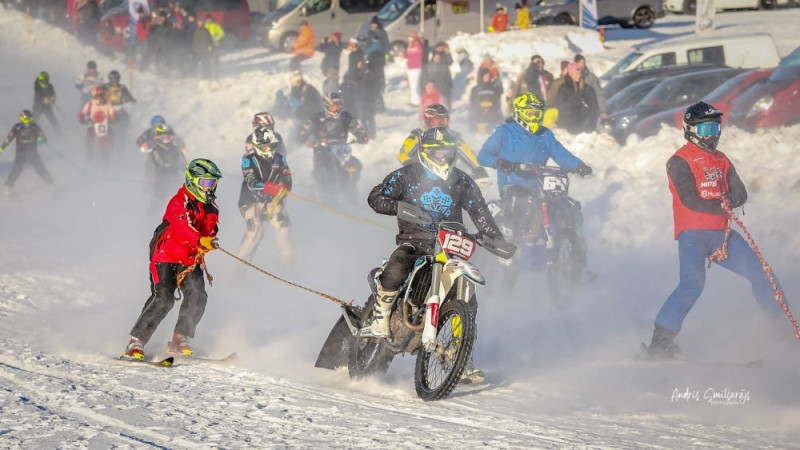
(180, 345)
(134, 350)
(381, 312)
(661, 346)
(471, 375)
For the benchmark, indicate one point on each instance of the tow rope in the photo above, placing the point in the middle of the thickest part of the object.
(337, 212)
(721, 254)
(283, 280)
(199, 260)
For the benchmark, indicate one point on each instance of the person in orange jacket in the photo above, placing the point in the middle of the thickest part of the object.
(303, 46)
(499, 20)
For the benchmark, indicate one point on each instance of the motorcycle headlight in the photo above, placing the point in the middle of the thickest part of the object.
(762, 104)
(626, 122)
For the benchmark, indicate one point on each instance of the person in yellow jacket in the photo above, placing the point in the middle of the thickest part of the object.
(523, 17)
(217, 34)
(436, 115)
(303, 46)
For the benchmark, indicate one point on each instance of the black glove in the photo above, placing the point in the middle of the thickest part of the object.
(736, 199)
(504, 166)
(583, 170)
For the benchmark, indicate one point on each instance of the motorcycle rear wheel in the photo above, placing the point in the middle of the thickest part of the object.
(564, 274)
(368, 355)
(438, 372)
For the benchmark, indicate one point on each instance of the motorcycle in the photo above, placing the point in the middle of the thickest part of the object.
(547, 225)
(433, 315)
(99, 138)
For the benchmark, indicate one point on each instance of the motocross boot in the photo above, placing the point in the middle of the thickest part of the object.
(472, 375)
(381, 312)
(661, 346)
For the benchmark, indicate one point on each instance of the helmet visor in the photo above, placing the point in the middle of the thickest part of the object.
(207, 184)
(531, 114)
(441, 155)
(707, 129)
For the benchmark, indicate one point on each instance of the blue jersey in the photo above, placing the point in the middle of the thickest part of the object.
(513, 143)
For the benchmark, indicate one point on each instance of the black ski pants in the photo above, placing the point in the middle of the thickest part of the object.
(30, 156)
(162, 299)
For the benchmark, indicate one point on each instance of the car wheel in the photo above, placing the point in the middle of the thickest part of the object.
(563, 19)
(625, 25)
(767, 4)
(689, 6)
(644, 17)
(287, 40)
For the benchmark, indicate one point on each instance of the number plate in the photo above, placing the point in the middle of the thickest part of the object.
(554, 183)
(100, 129)
(456, 245)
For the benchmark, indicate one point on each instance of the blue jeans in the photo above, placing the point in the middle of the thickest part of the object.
(694, 246)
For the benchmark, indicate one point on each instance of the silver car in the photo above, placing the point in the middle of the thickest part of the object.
(626, 13)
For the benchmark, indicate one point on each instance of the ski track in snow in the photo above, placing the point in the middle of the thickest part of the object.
(72, 281)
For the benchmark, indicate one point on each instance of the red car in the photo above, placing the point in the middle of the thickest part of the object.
(723, 97)
(774, 103)
(233, 15)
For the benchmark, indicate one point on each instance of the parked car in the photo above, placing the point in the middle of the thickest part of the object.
(668, 94)
(619, 82)
(774, 103)
(442, 20)
(233, 15)
(690, 6)
(630, 95)
(748, 51)
(626, 13)
(722, 98)
(278, 29)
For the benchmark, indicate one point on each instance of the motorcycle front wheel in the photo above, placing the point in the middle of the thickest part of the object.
(437, 372)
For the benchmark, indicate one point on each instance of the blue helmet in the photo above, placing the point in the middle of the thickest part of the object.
(157, 120)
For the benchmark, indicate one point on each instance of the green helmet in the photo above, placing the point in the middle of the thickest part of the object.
(43, 78)
(201, 179)
(528, 112)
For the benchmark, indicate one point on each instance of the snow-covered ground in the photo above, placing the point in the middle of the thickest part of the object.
(73, 277)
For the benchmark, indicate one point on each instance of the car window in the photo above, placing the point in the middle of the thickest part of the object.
(430, 12)
(460, 7)
(656, 61)
(317, 6)
(709, 55)
(392, 10)
(362, 6)
(788, 70)
(723, 89)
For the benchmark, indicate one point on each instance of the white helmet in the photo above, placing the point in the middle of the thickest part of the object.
(264, 141)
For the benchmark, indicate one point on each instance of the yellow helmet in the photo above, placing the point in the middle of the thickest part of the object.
(528, 111)
(26, 117)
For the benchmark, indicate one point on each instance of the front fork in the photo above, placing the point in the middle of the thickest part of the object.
(432, 309)
(548, 233)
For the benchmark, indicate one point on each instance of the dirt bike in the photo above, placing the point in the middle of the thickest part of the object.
(433, 313)
(554, 243)
(99, 139)
(336, 170)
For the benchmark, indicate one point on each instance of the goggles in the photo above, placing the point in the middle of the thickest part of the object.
(438, 121)
(440, 155)
(531, 114)
(206, 184)
(707, 129)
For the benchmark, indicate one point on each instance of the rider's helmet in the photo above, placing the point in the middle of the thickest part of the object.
(264, 141)
(164, 134)
(91, 65)
(437, 151)
(334, 104)
(202, 176)
(701, 125)
(264, 119)
(436, 115)
(528, 111)
(43, 79)
(98, 93)
(114, 77)
(26, 117)
(157, 120)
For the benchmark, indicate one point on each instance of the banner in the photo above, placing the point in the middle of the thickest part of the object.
(589, 14)
(704, 16)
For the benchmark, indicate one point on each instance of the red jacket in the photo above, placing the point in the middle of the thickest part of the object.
(711, 175)
(188, 220)
(414, 54)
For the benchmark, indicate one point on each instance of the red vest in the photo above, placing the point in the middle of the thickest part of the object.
(710, 172)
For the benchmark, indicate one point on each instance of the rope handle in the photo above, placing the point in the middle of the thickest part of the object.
(722, 253)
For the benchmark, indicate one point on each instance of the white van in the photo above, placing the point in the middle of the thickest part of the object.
(442, 19)
(742, 51)
(689, 6)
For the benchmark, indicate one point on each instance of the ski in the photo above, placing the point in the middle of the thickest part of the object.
(643, 358)
(166, 362)
(228, 359)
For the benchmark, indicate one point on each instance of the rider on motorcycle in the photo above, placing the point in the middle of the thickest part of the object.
(436, 115)
(327, 127)
(97, 114)
(118, 94)
(147, 140)
(264, 119)
(524, 140)
(167, 160)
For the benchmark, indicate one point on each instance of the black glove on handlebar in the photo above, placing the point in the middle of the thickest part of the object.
(583, 170)
(504, 166)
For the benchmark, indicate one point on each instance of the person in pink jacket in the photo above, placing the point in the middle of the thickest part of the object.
(413, 55)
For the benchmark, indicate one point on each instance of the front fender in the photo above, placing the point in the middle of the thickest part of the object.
(456, 268)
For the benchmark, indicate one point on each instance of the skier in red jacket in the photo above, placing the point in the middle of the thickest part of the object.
(177, 249)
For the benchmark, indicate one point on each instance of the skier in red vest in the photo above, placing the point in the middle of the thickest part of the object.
(187, 232)
(700, 179)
